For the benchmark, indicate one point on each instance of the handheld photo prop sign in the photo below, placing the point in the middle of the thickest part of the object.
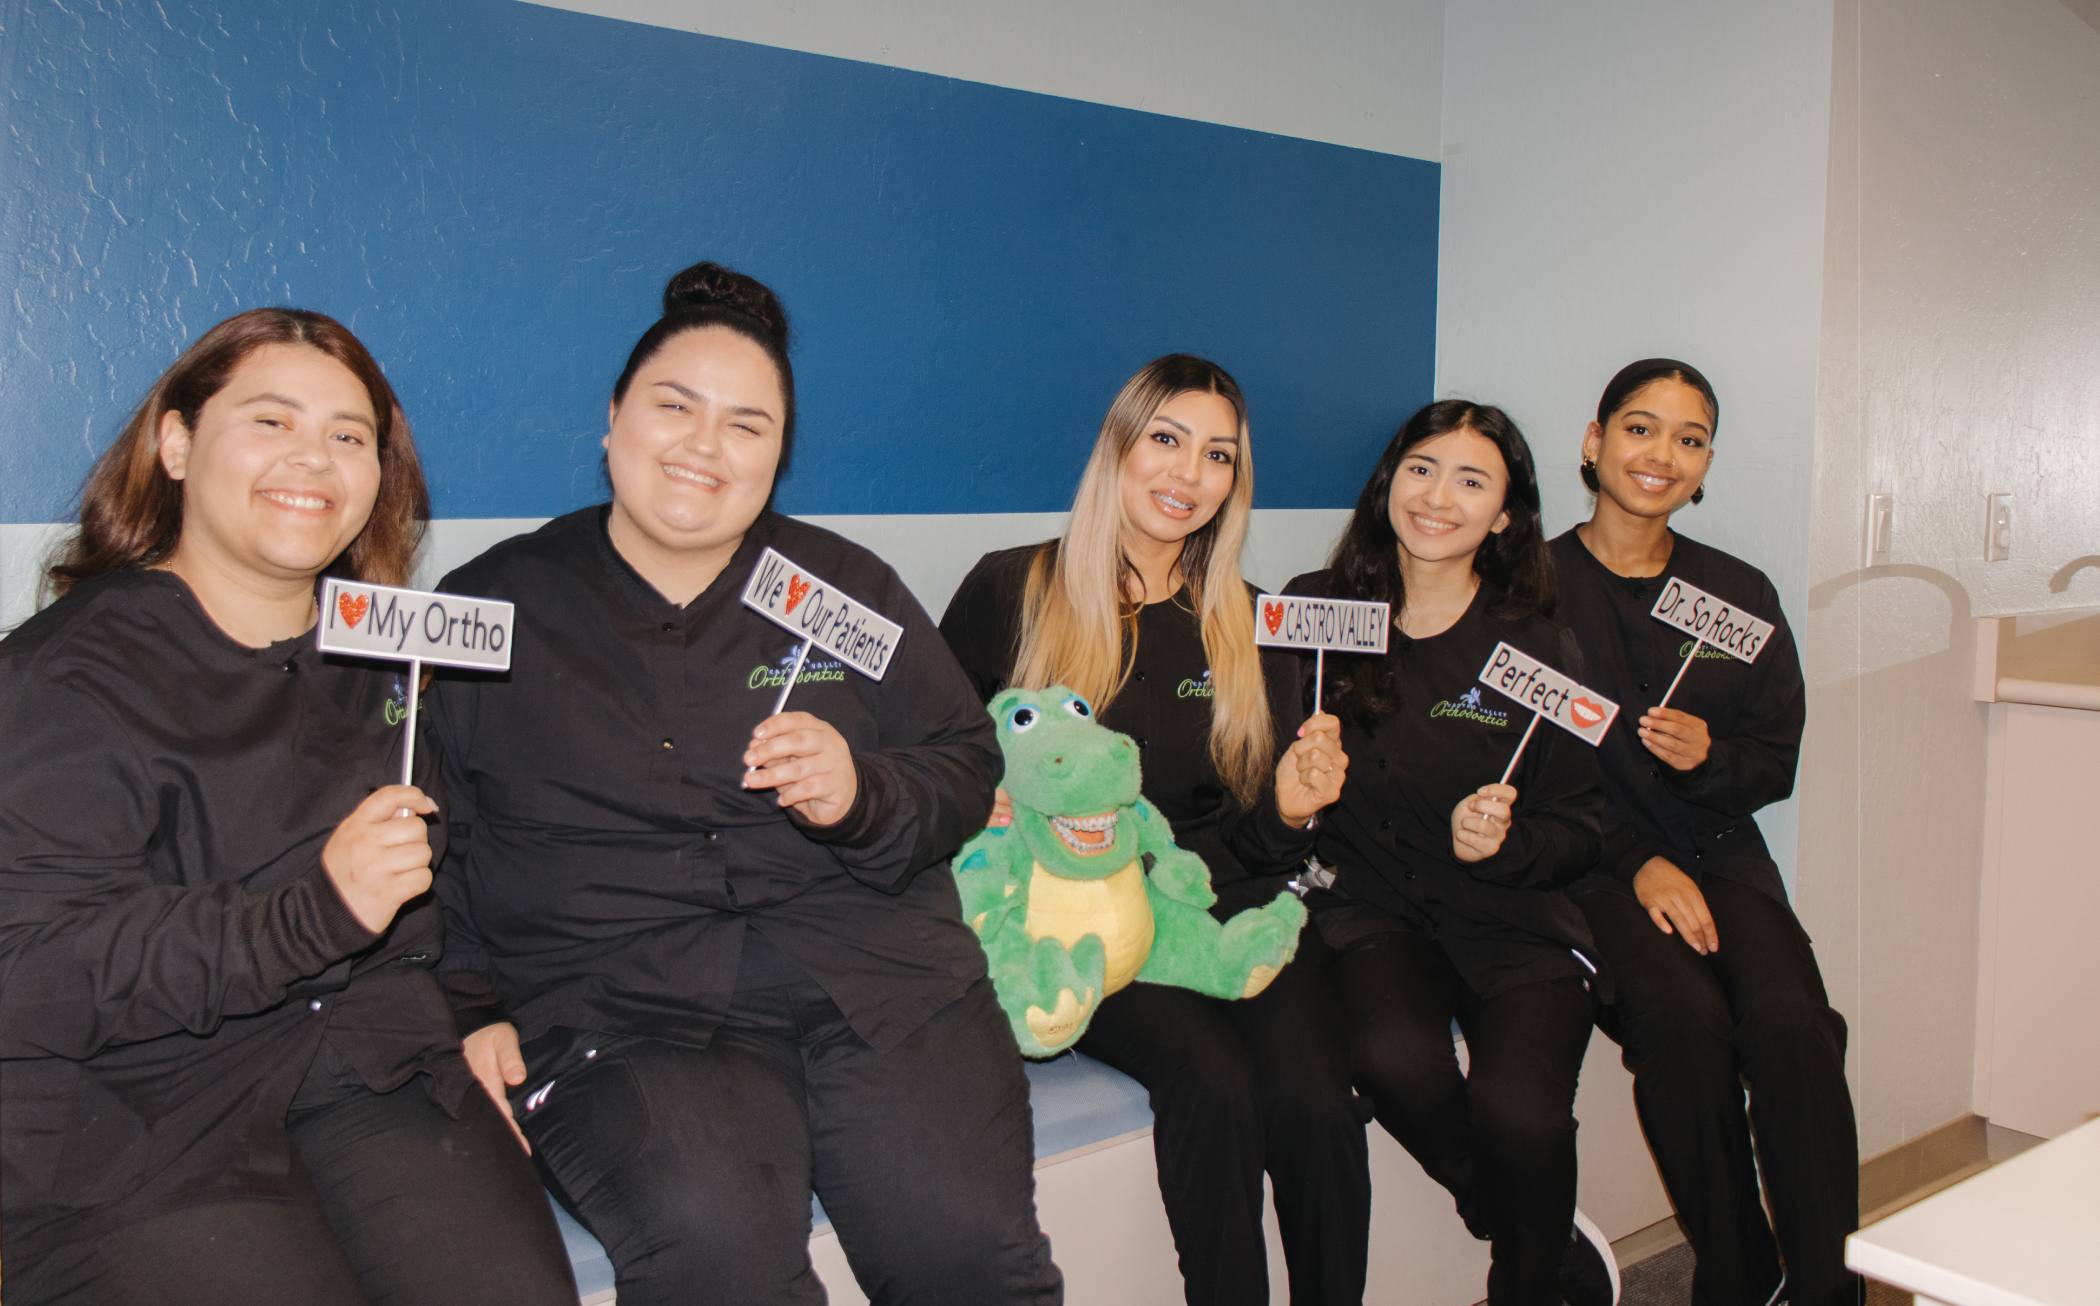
(799, 601)
(1551, 696)
(1299, 621)
(413, 626)
(1712, 623)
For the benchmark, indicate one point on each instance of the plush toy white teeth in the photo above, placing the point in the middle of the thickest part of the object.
(1086, 834)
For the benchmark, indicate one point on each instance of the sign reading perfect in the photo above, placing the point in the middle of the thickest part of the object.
(1711, 621)
(1580, 711)
(801, 602)
(380, 621)
(1344, 625)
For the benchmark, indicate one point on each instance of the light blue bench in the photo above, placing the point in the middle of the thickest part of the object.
(1077, 1103)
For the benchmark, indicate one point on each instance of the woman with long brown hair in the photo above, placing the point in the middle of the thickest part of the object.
(1140, 607)
(227, 1072)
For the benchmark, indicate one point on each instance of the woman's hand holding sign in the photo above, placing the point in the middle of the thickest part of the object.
(807, 762)
(379, 857)
(1678, 738)
(1673, 900)
(1309, 775)
(1480, 822)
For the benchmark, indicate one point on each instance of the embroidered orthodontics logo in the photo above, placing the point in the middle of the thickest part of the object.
(1195, 688)
(1468, 707)
(815, 671)
(395, 710)
(1707, 652)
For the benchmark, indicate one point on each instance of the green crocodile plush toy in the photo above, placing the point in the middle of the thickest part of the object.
(1062, 899)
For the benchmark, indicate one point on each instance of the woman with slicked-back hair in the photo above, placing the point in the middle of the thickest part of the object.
(227, 1072)
(1717, 983)
(1140, 607)
(721, 959)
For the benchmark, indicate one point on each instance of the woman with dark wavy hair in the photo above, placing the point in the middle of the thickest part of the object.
(219, 1027)
(1448, 898)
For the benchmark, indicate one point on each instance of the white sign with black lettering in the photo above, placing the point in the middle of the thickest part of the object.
(805, 604)
(1712, 621)
(402, 625)
(1299, 621)
(1551, 696)
(414, 626)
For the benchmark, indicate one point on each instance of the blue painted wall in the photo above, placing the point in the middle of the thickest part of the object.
(492, 194)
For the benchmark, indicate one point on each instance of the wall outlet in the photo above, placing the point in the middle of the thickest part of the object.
(1997, 528)
(1880, 530)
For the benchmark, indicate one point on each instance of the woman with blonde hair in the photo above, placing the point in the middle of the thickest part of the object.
(1140, 607)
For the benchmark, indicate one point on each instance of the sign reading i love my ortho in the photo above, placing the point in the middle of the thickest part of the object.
(403, 625)
(797, 599)
(1300, 621)
(1580, 711)
(1711, 620)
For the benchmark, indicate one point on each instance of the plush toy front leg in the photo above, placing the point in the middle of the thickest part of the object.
(1237, 959)
(1048, 991)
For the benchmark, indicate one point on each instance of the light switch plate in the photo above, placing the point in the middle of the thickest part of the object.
(1998, 528)
(1880, 530)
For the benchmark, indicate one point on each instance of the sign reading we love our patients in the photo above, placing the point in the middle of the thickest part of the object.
(1712, 621)
(806, 605)
(1344, 625)
(380, 621)
(1580, 711)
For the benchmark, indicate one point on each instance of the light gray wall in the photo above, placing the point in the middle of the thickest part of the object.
(1960, 354)
(1632, 178)
(1354, 72)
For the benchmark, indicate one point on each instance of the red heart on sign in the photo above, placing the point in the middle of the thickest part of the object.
(1585, 713)
(352, 607)
(797, 588)
(1272, 616)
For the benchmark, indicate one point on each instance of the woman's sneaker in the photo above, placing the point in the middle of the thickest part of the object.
(1588, 1274)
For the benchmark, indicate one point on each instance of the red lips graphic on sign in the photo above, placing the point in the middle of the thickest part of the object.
(1272, 616)
(1585, 713)
(352, 607)
(797, 589)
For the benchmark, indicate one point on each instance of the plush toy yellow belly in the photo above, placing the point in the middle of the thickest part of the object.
(1114, 908)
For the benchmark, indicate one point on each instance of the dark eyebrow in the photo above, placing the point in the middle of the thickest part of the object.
(695, 396)
(286, 401)
(1162, 417)
(1642, 412)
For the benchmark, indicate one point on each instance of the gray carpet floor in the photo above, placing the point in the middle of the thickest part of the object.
(1665, 1279)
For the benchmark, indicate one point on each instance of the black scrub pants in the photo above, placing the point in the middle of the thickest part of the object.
(1500, 1137)
(1694, 1030)
(1239, 1088)
(694, 1166)
(398, 1204)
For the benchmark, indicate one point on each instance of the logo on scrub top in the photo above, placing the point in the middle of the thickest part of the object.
(1194, 688)
(1468, 707)
(1707, 652)
(814, 671)
(395, 710)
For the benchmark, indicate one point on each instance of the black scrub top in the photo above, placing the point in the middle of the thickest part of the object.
(172, 954)
(608, 865)
(1165, 707)
(1702, 819)
(1503, 921)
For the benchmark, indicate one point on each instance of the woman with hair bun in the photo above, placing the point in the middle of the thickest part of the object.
(1717, 982)
(1140, 607)
(227, 1073)
(1449, 897)
(721, 961)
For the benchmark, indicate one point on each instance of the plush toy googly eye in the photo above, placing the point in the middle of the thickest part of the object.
(1022, 719)
(1078, 707)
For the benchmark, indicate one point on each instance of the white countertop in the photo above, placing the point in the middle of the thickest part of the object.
(2023, 1233)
